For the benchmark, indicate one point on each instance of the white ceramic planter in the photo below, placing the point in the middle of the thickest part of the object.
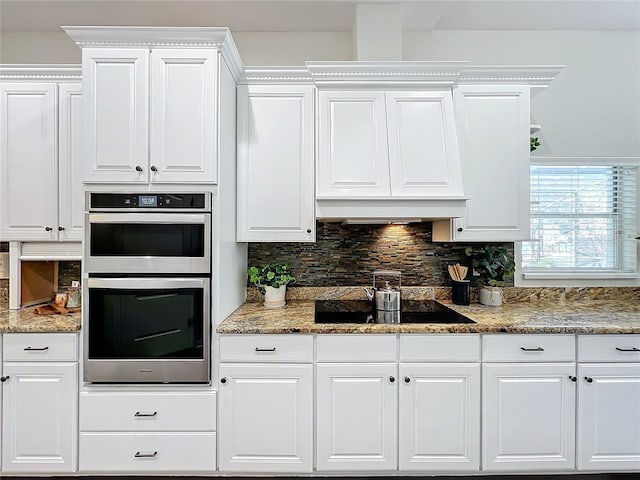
(274, 297)
(491, 296)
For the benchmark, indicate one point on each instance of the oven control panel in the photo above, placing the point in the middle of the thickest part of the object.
(141, 201)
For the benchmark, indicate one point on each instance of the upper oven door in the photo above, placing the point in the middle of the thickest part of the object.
(148, 242)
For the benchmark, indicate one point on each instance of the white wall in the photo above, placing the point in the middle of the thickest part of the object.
(591, 109)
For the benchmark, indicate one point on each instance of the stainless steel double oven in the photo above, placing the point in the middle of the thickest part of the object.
(147, 300)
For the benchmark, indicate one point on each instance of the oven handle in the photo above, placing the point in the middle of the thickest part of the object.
(150, 218)
(146, 283)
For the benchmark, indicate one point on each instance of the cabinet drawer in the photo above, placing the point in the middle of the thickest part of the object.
(40, 347)
(609, 348)
(266, 348)
(440, 348)
(147, 452)
(147, 411)
(528, 348)
(356, 348)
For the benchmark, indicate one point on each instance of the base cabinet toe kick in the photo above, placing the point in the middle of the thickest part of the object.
(432, 403)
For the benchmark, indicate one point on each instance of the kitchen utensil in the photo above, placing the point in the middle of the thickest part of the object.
(387, 298)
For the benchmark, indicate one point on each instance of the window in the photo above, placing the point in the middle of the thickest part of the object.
(583, 220)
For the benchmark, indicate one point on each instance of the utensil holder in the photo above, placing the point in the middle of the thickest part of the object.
(460, 292)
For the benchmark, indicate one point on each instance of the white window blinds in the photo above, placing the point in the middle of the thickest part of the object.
(583, 219)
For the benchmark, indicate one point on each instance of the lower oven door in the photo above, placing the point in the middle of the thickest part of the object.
(147, 330)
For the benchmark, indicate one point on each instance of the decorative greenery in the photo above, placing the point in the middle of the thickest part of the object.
(492, 264)
(273, 275)
(534, 143)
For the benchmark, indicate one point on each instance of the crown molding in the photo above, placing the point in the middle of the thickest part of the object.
(385, 73)
(532, 75)
(22, 72)
(160, 37)
(275, 75)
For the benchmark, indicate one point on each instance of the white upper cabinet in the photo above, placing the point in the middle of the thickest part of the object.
(276, 199)
(152, 102)
(70, 162)
(183, 115)
(28, 161)
(40, 161)
(493, 129)
(116, 110)
(423, 148)
(399, 144)
(353, 153)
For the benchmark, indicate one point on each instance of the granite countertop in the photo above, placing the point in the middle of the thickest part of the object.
(537, 316)
(26, 320)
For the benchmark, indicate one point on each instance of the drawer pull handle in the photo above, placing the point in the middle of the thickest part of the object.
(392, 379)
(537, 349)
(272, 349)
(4, 379)
(140, 414)
(632, 349)
(572, 378)
(146, 455)
(407, 380)
(31, 349)
(589, 379)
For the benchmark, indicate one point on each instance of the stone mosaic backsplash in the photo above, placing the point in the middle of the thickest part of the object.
(348, 255)
(4, 291)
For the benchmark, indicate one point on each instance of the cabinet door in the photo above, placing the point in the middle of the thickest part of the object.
(265, 418)
(28, 161)
(183, 116)
(423, 147)
(40, 417)
(116, 132)
(493, 127)
(439, 417)
(276, 200)
(357, 411)
(609, 417)
(70, 162)
(353, 160)
(528, 416)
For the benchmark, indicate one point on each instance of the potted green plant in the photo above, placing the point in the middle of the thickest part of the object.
(272, 281)
(491, 264)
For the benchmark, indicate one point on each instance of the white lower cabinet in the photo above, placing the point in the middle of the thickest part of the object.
(148, 452)
(39, 403)
(356, 419)
(608, 403)
(439, 417)
(266, 417)
(147, 429)
(528, 403)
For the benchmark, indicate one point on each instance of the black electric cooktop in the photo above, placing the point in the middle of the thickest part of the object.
(362, 311)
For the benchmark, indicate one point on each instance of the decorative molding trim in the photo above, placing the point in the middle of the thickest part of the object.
(22, 72)
(275, 75)
(532, 75)
(376, 73)
(163, 37)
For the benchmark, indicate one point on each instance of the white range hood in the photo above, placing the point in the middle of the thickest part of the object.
(388, 135)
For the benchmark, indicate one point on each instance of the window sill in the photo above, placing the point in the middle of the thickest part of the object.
(569, 279)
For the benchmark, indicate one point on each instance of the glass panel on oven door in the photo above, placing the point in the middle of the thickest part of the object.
(146, 323)
(147, 239)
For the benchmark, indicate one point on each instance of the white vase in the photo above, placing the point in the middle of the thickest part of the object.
(491, 296)
(274, 297)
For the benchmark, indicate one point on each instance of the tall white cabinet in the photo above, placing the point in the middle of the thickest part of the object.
(276, 155)
(40, 154)
(152, 101)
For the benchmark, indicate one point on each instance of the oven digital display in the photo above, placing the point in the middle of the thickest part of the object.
(148, 200)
